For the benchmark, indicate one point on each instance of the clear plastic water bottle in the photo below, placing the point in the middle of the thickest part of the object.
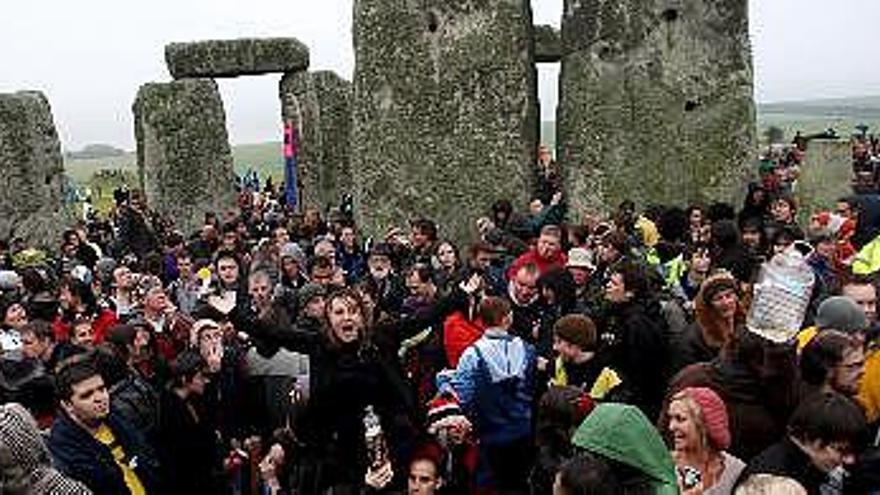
(374, 438)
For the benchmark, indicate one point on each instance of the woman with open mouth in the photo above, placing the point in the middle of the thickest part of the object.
(354, 364)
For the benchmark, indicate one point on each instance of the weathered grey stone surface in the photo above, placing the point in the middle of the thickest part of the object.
(445, 114)
(655, 100)
(548, 44)
(825, 176)
(238, 57)
(319, 104)
(31, 171)
(183, 155)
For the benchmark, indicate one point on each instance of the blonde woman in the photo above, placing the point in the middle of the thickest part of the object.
(768, 484)
(696, 427)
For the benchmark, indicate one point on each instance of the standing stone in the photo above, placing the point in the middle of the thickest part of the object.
(655, 101)
(825, 176)
(184, 160)
(31, 171)
(319, 104)
(445, 110)
(233, 58)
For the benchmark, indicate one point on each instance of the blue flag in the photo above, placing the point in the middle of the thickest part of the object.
(291, 191)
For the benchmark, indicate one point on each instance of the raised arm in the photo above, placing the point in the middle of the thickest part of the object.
(553, 214)
(268, 336)
(409, 326)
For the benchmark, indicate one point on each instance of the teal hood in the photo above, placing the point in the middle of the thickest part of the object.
(622, 433)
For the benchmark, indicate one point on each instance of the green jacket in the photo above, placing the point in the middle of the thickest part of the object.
(622, 433)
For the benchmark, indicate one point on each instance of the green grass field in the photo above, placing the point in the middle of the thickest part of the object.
(92, 173)
(841, 114)
(264, 157)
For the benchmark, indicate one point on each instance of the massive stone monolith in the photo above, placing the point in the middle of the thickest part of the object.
(319, 104)
(31, 171)
(445, 112)
(825, 176)
(183, 155)
(237, 57)
(655, 100)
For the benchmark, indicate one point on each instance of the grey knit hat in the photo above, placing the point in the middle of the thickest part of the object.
(24, 456)
(841, 313)
(104, 268)
(308, 292)
(19, 434)
(293, 251)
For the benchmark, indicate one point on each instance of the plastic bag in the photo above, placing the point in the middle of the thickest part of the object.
(781, 296)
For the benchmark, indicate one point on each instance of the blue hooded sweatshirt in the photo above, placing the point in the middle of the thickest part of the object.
(494, 382)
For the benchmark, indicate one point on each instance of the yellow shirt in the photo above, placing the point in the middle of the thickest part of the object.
(869, 387)
(106, 437)
(605, 382)
(804, 337)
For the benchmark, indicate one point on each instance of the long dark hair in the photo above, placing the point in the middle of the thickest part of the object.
(561, 283)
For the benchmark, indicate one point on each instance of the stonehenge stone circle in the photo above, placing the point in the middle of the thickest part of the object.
(31, 171)
(238, 57)
(441, 118)
(445, 110)
(825, 175)
(183, 155)
(655, 101)
(319, 104)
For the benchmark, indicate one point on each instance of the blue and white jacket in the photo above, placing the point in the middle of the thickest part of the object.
(494, 382)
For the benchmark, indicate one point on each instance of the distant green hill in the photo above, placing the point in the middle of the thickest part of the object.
(96, 151)
(867, 107)
(265, 158)
(81, 170)
(810, 116)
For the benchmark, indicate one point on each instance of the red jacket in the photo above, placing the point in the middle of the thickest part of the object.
(531, 257)
(100, 326)
(458, 334)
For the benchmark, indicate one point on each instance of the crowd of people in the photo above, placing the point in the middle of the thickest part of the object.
(281, 353)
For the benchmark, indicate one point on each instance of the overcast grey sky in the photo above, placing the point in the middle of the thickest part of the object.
(90, 56)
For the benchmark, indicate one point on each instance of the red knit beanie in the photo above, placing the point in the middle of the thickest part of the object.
(442, 410)
(714, 413)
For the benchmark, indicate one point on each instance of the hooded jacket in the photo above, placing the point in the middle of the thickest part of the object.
(494, 381)
(703, 339)
(623, 434)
